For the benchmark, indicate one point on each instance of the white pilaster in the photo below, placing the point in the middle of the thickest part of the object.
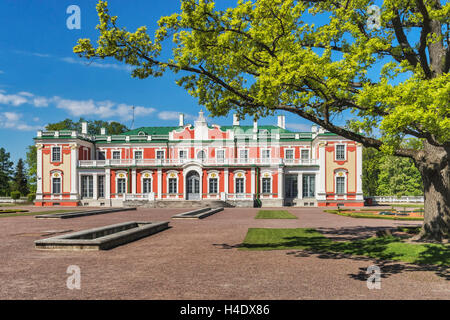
(133, 181)
(300, 186)
(74, 172)
(253, 181)
(359, 192)
(280, 183)
(107, 183)
(320, 186)
(226, 180)
(95, 185)
(159, 184)
(39, 173)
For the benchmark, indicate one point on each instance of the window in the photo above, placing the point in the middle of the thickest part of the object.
(239, 185)
(340, 152)
(243, 156)
(340, 185)
(146, 185)
(101, 186)
(101, 155)
(160, 154)
(220, 155)
(87, 187)
(266, 185)
(265, 155)
(289, 155)
(201, 155)
(56, 154)
(138, 155)
(213, 185)
(183, 154)
(116, 155)
(309, 187)
(56, 185)
(305, 154)
(121, 186)
(172, 185)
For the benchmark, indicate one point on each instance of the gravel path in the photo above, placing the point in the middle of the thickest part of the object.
(199, 259)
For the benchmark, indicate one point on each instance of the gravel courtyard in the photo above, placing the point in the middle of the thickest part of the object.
(199, 259)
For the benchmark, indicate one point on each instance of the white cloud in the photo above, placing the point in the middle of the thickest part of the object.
(97, 64)
(173, 115)
(12, 99)
(299, 126)
(12, 120)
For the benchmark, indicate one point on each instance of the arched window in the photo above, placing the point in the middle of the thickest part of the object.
(201, 155)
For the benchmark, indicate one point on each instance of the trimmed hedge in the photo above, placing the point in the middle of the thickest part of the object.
(15, 195)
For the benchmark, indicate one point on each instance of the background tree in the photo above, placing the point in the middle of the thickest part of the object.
(20, 182)
(31, 162)
(6, 171)
(112, 127)
(370, 171)
(263, 55)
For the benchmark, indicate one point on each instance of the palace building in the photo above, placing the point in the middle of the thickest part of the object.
(182, 165)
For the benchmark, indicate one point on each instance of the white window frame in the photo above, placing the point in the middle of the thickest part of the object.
(112, 154)
(285, 154)
(138, 150)
(220, 160)
(309, 153)
(235, 176)
(143, 173)
(58, 176)
(263, 159)
(160, 150)
(168, 177)
(60, 153)
(117, 183)
(218, 181)
(345, 151)
(197, 151)
(266, 175)
(186, 151)
(246, 159)
(344, 175)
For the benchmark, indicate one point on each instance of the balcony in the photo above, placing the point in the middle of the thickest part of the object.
(205, 162)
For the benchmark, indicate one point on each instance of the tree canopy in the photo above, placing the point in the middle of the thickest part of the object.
(94, 126)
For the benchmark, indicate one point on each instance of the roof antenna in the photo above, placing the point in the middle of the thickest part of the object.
(132, 121)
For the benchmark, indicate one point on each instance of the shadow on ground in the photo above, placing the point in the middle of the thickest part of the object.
(358, 243)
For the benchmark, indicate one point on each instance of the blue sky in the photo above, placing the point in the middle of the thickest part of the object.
(42, 81)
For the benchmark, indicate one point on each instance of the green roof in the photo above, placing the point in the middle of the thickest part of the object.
(150, 131)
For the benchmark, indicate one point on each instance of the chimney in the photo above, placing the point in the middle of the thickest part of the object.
(235, 119)
(181, 120)
(281, 122)
(255, 125)
(84, 128)
(103, 131)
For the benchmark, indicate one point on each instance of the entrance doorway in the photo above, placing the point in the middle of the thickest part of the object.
(193, 186)
(290, 189)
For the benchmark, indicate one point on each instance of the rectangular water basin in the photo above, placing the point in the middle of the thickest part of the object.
(103, 238)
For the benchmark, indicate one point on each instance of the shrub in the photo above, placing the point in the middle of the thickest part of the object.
(15, 195)
(31, 197)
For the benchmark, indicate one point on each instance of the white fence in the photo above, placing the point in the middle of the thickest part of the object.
(393, 199)
(9, 200)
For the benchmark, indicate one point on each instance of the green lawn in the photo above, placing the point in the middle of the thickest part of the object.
(373, 216)
(4, 215)
(387, 248)
(274, 214)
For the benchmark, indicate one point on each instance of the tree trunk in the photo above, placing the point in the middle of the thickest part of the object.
(434, 166)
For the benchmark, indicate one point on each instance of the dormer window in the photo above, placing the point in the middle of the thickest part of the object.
(142, 133)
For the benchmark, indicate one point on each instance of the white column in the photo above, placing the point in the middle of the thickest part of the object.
(74, 172)
(280, 183)
(201, 185)
(320, 182)
(133, 181)
(253, 181)
(226, 177)
(359, 192)
(95, 186)
(300, 186)
(107, 183)
(39, 173)
(159, 184)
